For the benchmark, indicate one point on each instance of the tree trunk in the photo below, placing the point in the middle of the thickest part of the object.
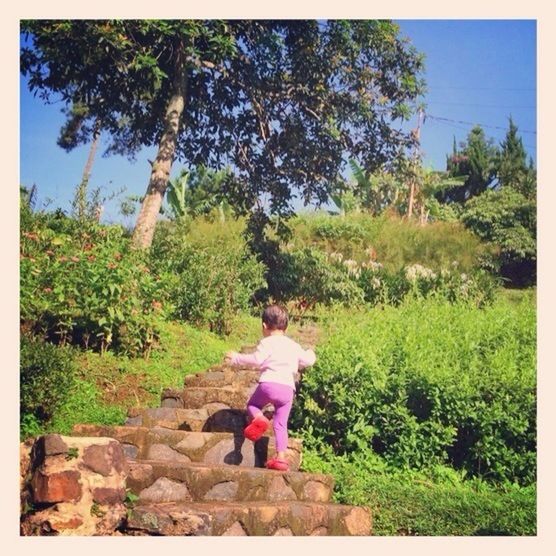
(411, 198)
(423, 218)
(79, 203)
(417, 134)
(92, 152)
(160, 174)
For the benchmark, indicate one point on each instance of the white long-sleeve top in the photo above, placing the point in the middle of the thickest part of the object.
(279, 358)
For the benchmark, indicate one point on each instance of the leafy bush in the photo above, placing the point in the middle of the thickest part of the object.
(83, 283)
(429, 383)
(382, 287)
(440, 502)
(47, 377)
(207, 272)
(309, 276)
(507, 219)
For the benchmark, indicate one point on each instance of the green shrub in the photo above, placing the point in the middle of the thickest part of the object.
(309, 276)
(83, 283)
(47, 377)
(429, 383)
(391, 288)
(440, 502)
(507, 219)
(207, 273)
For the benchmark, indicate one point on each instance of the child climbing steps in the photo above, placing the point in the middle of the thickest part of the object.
(279, 358)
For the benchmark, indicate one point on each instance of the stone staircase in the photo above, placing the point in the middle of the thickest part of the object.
(195, 474)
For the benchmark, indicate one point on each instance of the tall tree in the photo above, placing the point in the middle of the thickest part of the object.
(476, 162)
(283, 103)
(512, 168)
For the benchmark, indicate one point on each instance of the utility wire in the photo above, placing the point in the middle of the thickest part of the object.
(467, 129)
(475, 123)
(449, 124)
(482, 88)
(481, 105)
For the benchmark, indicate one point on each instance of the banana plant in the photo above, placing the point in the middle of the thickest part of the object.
(175, 195)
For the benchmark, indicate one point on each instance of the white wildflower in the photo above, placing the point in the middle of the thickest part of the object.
(374, 266)
(352, 267)
(416, 271)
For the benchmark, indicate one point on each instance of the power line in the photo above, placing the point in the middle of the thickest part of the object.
(448, 123)
(483, 88)
(481, 105)
(475, 123)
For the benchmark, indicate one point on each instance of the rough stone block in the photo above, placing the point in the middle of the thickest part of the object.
(53, 445)
(222, 491)
(63, 486)
(165, 490)
(164, 452)
(105, 458)
(78, 484)
(109, 496)
(168, 520)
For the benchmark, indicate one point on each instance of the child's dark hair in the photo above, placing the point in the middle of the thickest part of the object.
(275, 317)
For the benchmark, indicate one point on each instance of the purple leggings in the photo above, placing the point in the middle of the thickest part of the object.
(281, 397)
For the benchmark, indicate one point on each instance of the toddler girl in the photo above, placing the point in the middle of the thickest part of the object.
(279, 358)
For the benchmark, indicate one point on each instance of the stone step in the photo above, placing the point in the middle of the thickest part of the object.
(201, 447)
(223, 376)
(195, 420)
(252, 519)
(156, 482)
(224, 397)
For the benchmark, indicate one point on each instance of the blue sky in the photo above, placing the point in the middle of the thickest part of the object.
(477, 71)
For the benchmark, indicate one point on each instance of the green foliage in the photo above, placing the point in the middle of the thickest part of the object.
(428, 383)
(207, 272)
(72, 454)
(359, 259)
(392, 242)
(507, 219)
(198, 192)
(82, 283)
(84, 404)
(108, 385)
(476, 162)
(512, 169)
(342, 81)
(381, 287)
(440, 502)
(47, 378)
(309, 277)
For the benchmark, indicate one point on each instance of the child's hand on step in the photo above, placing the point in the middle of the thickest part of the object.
(229, 356)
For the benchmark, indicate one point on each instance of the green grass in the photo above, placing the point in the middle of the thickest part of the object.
(108, 385)
(394, 242)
